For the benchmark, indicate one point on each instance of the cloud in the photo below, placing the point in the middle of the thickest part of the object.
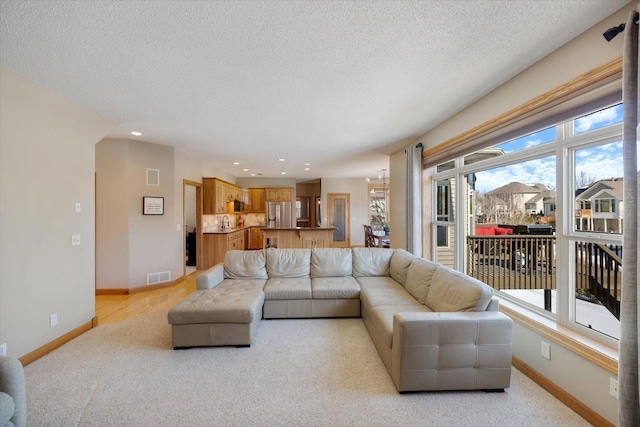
(598, 119)
(535, 171)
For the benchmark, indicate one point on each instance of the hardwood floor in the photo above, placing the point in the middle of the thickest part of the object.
(112, 308)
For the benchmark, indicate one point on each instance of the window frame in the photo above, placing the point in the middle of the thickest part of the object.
(563, 149)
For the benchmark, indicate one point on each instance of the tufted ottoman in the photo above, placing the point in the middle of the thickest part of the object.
(228, 314)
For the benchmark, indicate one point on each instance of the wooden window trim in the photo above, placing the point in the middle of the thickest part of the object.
(581, 83)
(591, 350)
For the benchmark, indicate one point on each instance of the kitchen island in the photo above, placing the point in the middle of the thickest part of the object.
(298, 237)
(215, 245)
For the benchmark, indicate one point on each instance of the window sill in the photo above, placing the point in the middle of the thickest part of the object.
(590, 349)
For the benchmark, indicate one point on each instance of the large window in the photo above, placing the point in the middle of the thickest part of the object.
(541, 220)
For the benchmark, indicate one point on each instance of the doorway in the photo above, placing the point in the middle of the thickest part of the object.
(338, 208)
(192, 226)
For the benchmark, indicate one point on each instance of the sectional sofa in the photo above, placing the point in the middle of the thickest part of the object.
(434, 328)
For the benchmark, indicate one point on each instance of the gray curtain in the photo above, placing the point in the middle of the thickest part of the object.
(628, 384)
(414, 199)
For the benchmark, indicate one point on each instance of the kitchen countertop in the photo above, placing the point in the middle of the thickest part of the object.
(229, 230)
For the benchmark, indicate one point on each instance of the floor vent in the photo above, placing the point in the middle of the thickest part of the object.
(161, 277)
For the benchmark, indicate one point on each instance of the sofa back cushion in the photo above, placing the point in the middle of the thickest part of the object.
(399, 265)
(455, 291)
(371, 261)
(331, 262)
(288, 262)
(245, 265)
(419, 277)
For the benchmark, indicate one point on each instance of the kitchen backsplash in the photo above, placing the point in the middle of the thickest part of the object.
(214, 222)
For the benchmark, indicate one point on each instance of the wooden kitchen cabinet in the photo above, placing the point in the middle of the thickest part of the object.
(279, 194)
(256, 238)
(315, 239)
(216, 193)
(256, 198)
(216, 245)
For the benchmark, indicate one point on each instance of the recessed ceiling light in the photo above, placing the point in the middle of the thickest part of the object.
(236, 163)
(307, 169)
(283, 173)
(136, 133)
(281, 160)
(245, 170)
(253, 174)
(307, 164)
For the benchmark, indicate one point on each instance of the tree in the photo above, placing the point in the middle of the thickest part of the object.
(585, 179)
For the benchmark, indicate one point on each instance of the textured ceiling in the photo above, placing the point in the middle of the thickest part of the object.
(337, 84)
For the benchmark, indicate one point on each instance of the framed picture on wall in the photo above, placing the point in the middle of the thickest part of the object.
(153, 205)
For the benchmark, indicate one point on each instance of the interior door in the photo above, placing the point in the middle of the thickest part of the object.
(188, 203)
(338, 207)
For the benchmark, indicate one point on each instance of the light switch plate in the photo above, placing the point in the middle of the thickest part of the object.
(75, 240)
(78, 207)
(545, 350)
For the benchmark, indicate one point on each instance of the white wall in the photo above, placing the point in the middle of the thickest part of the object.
(121, 170)
(112, 214)
(266, 182)
(398, 197)
(359, 206)
(585, 381)
(47, 147)
(584, 53)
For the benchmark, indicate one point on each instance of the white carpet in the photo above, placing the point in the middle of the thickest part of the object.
(315, 372)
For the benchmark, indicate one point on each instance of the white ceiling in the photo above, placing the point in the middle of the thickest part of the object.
(337, 84)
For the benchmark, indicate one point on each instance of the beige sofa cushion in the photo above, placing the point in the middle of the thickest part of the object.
(371, 261)
(375, 297)
(288, 262)
(455, 291)
(335, 288)
(245, 265)
(230, 302)
(331, 262)
(419, 277)
(378, 282)
(285, 288)
(400, 262)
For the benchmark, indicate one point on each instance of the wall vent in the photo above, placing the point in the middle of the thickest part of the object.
(153, 177)
(160, 277)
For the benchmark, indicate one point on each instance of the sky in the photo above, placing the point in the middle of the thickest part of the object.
(601, 162)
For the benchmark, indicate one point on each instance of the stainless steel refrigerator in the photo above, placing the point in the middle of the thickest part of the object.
(280, 215)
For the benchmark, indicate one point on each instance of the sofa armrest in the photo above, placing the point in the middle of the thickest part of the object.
(211, 277)
(494, 304)
(451, 351)
(12, 382)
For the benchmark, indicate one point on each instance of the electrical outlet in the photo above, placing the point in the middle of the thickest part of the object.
(3, 349)
(178, 227)
(78, 207)
(53, 320)
(545, 350)
(75, 240)
(613, 387)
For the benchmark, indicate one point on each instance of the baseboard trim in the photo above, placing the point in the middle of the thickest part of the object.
(156, 286)
(138, 289)
(123, 291)
(571, 402)
(49, 347)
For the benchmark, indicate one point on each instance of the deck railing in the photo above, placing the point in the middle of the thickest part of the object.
(599, 271)
(529, 262)
(513, 262)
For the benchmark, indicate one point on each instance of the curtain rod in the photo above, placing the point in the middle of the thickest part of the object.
(614, 31)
